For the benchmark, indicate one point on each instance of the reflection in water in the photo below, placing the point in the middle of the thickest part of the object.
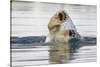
(30, 55)
(59, 53)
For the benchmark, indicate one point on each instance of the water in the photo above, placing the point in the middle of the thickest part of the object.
(43, 55)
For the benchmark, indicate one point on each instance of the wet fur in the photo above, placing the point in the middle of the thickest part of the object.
(54, 28)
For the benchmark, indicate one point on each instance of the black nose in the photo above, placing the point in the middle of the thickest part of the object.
(60, 16)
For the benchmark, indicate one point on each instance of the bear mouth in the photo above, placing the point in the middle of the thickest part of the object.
(62, 16)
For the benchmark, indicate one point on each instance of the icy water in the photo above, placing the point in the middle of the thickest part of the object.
(44, 55)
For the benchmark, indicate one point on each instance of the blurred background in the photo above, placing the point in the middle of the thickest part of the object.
(31, 18)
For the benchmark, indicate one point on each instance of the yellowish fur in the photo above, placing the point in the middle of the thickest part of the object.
(61, 41)
(54, 30)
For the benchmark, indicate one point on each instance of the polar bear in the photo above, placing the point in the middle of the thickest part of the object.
(63, 34)
(61, 28)
(56, 34)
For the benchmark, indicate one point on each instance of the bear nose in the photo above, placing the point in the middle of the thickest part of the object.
(60, 15)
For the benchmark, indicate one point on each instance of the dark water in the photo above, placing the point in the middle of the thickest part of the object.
(43, 54)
